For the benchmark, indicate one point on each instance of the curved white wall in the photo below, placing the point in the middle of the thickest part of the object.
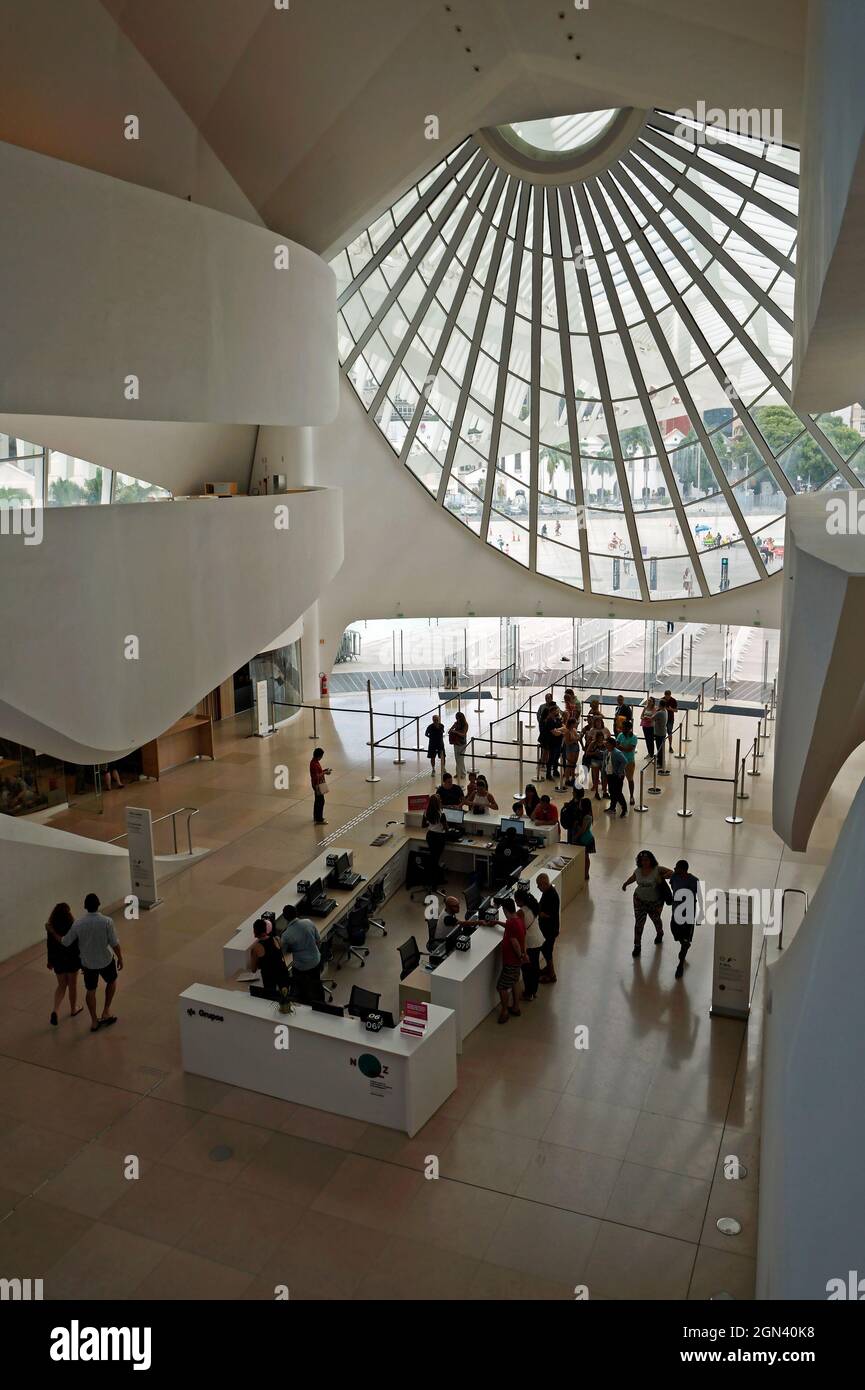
(812, 1177)
(202, 586)
(405, 554)
(102, 280)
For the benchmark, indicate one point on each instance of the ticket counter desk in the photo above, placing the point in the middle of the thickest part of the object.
(333, 1064)
(466, 980)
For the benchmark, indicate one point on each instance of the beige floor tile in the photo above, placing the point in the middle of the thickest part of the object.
(91, 1182)
(196, 1150)
(104, 1263)
(679, 1146)
(291, 1170)
(393, 1146)
(182, 1275)
(593, 1125)
(739, 1200)
(164, 1204)
(545, 1241)
(570, 1178)
(670, 1204)
(149, 1128)
(369, 1192)
(324, 1257)
(720, 1271)
(513, 1108)
(630, 1264)
(410, 1270)
(494, 1283)
(338, 1131)
(35, 1235)
(487, 1158)
(29, 1157)
(454, 1216)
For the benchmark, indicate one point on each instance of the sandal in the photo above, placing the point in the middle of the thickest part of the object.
(107, 1022)
(76, 1012)
(514, 1013)
(94, 1027)
(53, 1019)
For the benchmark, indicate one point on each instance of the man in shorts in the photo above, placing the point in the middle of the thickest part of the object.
(513, 956)
(100, 957)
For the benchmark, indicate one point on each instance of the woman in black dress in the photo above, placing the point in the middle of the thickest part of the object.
(63, 960)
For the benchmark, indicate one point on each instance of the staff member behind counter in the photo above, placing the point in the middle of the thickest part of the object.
(300, 940)
(511, 853)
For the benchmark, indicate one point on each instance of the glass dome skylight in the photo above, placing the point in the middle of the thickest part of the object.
(559, 135)
(594, 376)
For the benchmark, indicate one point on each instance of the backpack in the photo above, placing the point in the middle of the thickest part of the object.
(569, 814)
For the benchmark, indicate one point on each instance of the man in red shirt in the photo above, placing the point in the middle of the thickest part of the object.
(546, 812)
(317, 775)
(513, 956)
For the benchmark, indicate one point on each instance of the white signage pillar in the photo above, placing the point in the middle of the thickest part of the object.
(262, 710)
(731, 973)
(142, 866)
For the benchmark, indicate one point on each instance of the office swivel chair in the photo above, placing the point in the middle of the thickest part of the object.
(351, 934)
(326, 959)
(361, 998)
(371, 899)
(424, 874)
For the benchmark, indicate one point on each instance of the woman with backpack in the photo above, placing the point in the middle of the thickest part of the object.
(458, 735)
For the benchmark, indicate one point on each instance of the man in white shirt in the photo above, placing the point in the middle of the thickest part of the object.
(100, 956)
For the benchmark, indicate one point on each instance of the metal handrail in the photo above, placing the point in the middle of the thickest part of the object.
(188, 811)
(783, 901)
(565, 681)
(437, 708)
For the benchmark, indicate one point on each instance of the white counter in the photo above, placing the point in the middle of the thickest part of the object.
(331, 1064)
(486, 826)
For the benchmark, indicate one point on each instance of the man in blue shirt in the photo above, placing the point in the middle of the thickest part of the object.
(300, 940)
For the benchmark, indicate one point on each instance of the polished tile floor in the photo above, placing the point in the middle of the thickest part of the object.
(560, 1168)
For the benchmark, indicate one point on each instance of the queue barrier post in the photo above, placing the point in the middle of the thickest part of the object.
(755, 772)
(520, 723)
(498, 687)
(743, 795)
(314, 734)
(686, 738)
(680, 754)
(372, 773)
(399, 759)
(654, 789)
(684, 811)
(733, 819)
(700, 706)
(417, 735)
(640, 803)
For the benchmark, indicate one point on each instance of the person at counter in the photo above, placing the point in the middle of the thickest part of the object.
(300, 940)
(447, 919)
(546, 812)
(483, 799)
(527, 907)
(510, 854)
(450, 793)
(549, 914)
(513, 957)
(266, 957)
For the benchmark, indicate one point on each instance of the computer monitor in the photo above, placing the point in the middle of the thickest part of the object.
(319, 1006)
(453, 815)
(474, 897)
(314, 890)
(513, 823)
(409, 955)
(342, 866)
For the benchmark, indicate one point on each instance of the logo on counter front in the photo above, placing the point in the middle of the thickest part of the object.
(202, 1013)
(368, 1065)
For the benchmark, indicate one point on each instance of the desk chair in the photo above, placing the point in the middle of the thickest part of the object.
(371, 899)
(361, 998)
(423, 874)
(326, 959)
(351, 934)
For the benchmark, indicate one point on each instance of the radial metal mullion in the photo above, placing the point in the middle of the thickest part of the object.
(660, 121)
(715, 249)
(480, 325)
(736, 329)
(633, 164)
(728, 181)
(505, 355)
(458, 194)
(535, 370)
(448, 173)
(677, 377)
(636, 372)
(604, 390)
(554, 216)
(441, 270)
